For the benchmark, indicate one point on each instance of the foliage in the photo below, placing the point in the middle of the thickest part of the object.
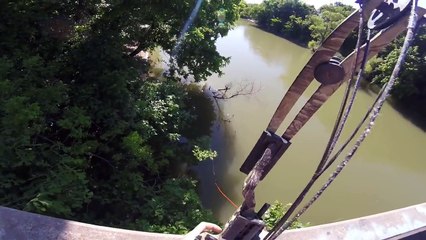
(84, 135)
(287, 18)
(410, 86)
(328, 18)
(298, 21)
(250, 10)
(198, 55)
(203, 154)
(276, 212)
(164, 210)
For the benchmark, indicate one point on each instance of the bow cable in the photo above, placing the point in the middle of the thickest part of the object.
(412, 26)
(339, 123)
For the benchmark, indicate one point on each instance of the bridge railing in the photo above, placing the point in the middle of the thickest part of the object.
(397, 224)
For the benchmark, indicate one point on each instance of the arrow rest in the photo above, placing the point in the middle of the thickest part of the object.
(244, 226)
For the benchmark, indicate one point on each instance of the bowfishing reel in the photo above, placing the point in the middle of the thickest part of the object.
(388, 12)
(383, 16)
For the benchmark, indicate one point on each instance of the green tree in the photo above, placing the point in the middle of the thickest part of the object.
(297, 28)
(287, 18)
(410, 88)
(328, 18)
(84, 135)
(250, 10)
(276, 212)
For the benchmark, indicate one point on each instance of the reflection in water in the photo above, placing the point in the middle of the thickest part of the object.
(271, 50)
(388, 171)
(223, 140)
(410, 114)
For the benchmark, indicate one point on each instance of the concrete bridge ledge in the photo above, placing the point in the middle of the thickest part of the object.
(387, 225)
(404, 223)
(19, 225)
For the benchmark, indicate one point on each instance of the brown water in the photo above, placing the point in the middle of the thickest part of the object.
(388, 172)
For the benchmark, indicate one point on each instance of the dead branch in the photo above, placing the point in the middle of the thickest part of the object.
(227, 92)
(243, 89)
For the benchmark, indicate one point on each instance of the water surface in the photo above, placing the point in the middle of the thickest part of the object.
(388, 172)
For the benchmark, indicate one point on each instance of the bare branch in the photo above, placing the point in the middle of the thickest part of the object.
(229, 91)
(243, 89)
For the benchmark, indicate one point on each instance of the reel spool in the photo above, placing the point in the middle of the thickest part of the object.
(330, 72)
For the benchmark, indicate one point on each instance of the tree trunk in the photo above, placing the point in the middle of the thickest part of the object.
(137, 50)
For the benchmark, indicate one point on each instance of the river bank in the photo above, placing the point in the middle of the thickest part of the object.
(253, 23)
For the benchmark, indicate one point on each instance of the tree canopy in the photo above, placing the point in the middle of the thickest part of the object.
(297, 21)
(287, 18)
(327, 19)
(410, 87)
(85, 134)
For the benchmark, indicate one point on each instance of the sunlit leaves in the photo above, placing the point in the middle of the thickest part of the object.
(329, 17)
(84, 134)
(287, 18)
(276, 212)
(298, 21)
(203, 154)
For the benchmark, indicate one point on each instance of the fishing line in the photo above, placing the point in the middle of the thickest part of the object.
(219, 189)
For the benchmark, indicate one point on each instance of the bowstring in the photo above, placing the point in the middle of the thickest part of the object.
(377, 106)
(337, 129)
